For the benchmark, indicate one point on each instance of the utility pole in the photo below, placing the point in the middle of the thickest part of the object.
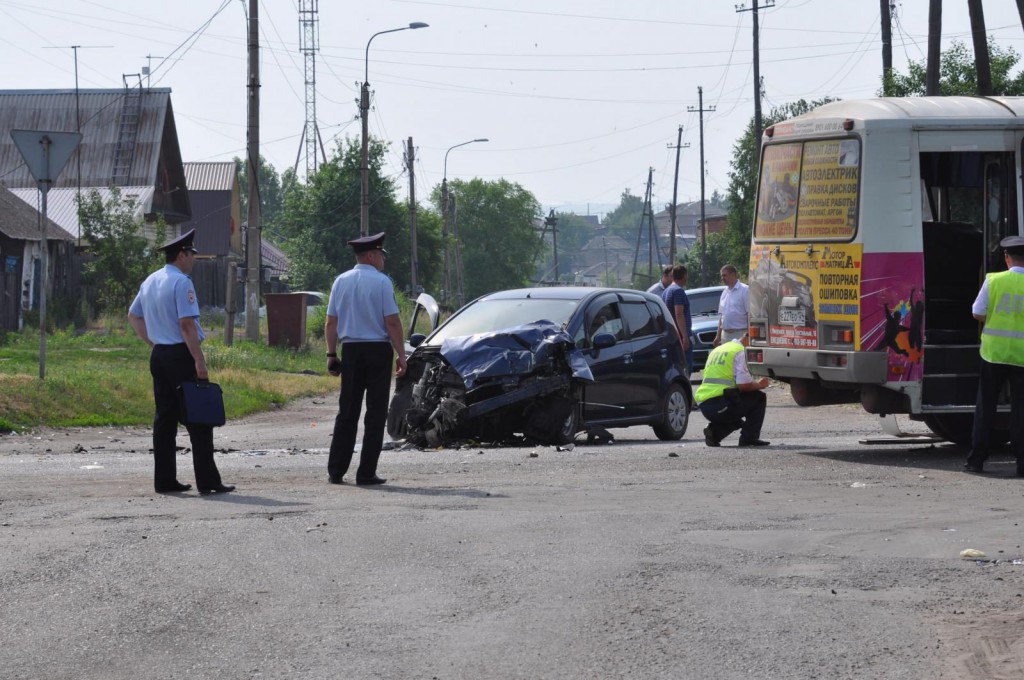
(675, 192)
(703, 229)
(254, 242)
(886, 7)
(410, 159)
(1020, 11)
(650, 231)
(931, 86)
(757, 68)
(981, 61)
(552, 222)
(446, 293)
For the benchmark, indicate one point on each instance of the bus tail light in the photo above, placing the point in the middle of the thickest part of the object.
(844, 336)
(755, 355)
(832, 360)
(848, 124)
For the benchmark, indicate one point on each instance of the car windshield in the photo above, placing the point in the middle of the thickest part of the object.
(704, 303)
(486, 316)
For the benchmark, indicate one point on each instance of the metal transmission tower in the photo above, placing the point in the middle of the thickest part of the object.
(309, 34)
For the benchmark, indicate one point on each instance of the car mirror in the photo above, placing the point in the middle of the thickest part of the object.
(416, 339)
(604, 340)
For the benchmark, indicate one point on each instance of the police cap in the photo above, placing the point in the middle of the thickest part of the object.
(183, 242)
(365, 243)
(1014, 245)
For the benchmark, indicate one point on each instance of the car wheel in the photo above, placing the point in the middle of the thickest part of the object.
(675, 415)
(570, 426)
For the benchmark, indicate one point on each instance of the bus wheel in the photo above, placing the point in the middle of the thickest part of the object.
(957, 427)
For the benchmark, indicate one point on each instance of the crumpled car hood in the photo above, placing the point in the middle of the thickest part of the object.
(512, 351)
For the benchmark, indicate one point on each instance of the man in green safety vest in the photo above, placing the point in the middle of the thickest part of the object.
(730, 398)
(1000, 306)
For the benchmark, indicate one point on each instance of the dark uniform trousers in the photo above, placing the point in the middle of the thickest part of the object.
(365, 371)
(991, 380)
(171, 365)
(744, 413)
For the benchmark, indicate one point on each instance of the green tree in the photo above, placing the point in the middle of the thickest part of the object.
(625, 219)
(497, 232)
(957, 74)
(120, 257)
(321, 216)
(272, 190)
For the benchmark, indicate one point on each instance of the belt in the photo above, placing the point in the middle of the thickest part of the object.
(734, 329)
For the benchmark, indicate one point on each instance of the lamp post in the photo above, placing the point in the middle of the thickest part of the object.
(364, 115)
(445, 213)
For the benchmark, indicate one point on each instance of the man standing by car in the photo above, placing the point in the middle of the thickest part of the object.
(730, 398)
(679, 309)
(165, 315)
(666, 280)
(362, 314)
(998, 306)
(732, 307)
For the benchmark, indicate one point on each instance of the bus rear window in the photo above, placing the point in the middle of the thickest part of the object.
(808, 191)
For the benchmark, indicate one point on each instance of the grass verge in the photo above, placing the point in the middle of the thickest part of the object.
(103, 378)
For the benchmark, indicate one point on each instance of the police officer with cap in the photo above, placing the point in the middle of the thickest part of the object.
(165, 314)
(1000, 306)
(362, 317)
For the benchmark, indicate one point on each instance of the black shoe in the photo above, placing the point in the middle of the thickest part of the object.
(172, 488)
(709, 437)
(978, 468)
(370, 481)
(335, 479)
(754, 442)
(220, 488)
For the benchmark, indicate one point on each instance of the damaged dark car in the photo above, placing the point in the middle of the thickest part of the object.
(544, 364)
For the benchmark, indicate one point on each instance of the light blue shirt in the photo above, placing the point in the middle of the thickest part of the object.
(360, 299)
(166, 296)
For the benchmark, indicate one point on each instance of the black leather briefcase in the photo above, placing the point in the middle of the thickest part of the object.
(202, 403)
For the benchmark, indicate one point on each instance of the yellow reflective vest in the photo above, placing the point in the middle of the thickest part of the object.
(718, 375)
(1002, 339)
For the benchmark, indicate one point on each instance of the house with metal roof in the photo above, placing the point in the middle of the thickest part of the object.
(129, 140)
(20, 263)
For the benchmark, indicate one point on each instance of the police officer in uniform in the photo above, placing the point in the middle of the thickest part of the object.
(165, 314)
(1000, 306)
(362, 315)
(730, 398)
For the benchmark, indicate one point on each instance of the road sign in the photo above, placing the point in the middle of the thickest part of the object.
(45, 153)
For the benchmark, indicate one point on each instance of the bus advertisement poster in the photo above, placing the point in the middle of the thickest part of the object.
(829, 185)
(794, 290)
(777, 193)
(895, 318)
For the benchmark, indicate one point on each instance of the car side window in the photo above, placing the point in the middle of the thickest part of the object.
(657, 318)
(638, 319)
(605, 320)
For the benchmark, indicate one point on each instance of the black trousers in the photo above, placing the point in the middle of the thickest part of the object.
(745, 414)
(170, 365)
(991, 379)
(365, 372)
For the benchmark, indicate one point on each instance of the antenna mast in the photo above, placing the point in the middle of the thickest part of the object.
(309, 35)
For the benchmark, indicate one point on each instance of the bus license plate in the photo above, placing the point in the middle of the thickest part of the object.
(793, 316)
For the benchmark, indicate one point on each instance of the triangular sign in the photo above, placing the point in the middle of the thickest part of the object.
(45, 153)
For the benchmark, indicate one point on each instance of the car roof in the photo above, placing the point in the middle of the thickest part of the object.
(706, 289)
(555, 293)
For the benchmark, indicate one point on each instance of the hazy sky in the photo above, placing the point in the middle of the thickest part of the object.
(578, 97)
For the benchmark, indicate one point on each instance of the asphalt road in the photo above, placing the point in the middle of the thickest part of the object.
(818, 557)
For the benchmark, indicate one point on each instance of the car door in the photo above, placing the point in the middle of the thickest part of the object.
(648, 355)
(609, 396)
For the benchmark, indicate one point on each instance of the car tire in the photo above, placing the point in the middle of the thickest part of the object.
(675, 415)
(570, 427)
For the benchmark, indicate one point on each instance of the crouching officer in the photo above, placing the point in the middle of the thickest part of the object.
(165, 314)
(730, 398)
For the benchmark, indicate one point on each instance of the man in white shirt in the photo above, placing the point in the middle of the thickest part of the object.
(732, 307)
(661, 286)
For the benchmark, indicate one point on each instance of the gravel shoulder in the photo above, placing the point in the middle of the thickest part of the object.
(818, 557)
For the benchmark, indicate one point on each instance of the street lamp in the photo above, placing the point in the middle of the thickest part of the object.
(445, 213)
(364, 114)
